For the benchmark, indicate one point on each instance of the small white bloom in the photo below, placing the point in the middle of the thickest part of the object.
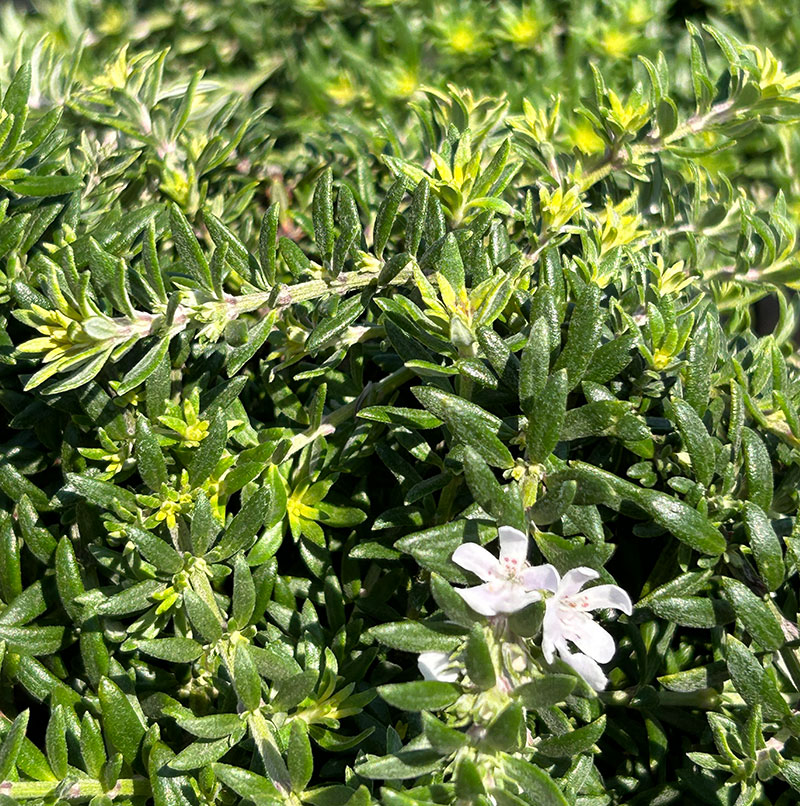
(437, 666)
(510, 583)
(567, 619)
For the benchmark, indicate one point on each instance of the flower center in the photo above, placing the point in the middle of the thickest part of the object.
(511, 569)
(574, 608)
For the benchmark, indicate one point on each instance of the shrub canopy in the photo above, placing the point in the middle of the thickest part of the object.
(283, 334)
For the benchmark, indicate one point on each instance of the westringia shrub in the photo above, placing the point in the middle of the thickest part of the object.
(452, 474)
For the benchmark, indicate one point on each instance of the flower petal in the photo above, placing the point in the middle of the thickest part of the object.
(608, 596)
(436, 666)
(541, 577)
(514, 597)
(513, 544)
(477, 559)
(591, 639)
(496, 598)
(480, 598)
(508, 597)
(575, 579)
(552, 631)
(586, 668)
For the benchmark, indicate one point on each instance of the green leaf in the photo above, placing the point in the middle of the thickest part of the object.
(534, 782)
(192, 257)
(410, 418)
(15, 486)
(502, 503)
(290, 691)
(145, 367)
(244, 593)
(454, 606)
(765, 545)
(205, 526)
(294, 257)
(611, 358)
(14, 101)
(598, 418)
(268, 242)
(300, 760)
(28, 605)
(790, 771)
(246, 680)
(256, 337)
(450, 264)
(121, 721)
(174, 650)
(203, 619)
(693, 611)
(213, 726)
(54, 185)
(12, 745)
(506, 731)
(38, 540)
(247, 784)
(545, 691)
(241, 532)
(349, 226)
(751, 680)
(754, 614)
(478, 659)
(417, 216)
(442, 737)
(68, 577)
(468, 780)
(433, 548)
(697, 679)
(687, 524)
(156, 550)
(10, 572)
(701, 356)
(543, 306)
(400, 766)
(583, 336)
(332, 328)
(534, 367)
(322, 214)
(387, 213)
(200, 754)
(207, 456)
(698, 443)
(131, 599)
(149, 459)
(544, 427)
(33, 641)
(157, 388)
(416, 636)
(93, 750)
(468, 423)
(758, 469)
(56, 742)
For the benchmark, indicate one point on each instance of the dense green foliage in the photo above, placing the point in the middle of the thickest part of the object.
(277, 338)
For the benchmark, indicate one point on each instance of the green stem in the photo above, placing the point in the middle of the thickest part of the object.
(706, 698)
(314, 289)
(374, 393)
(78, 789)
(696, 124)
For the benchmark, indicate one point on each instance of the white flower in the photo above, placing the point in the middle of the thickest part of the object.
(437, 666)
(567, 619)
(510, 583)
